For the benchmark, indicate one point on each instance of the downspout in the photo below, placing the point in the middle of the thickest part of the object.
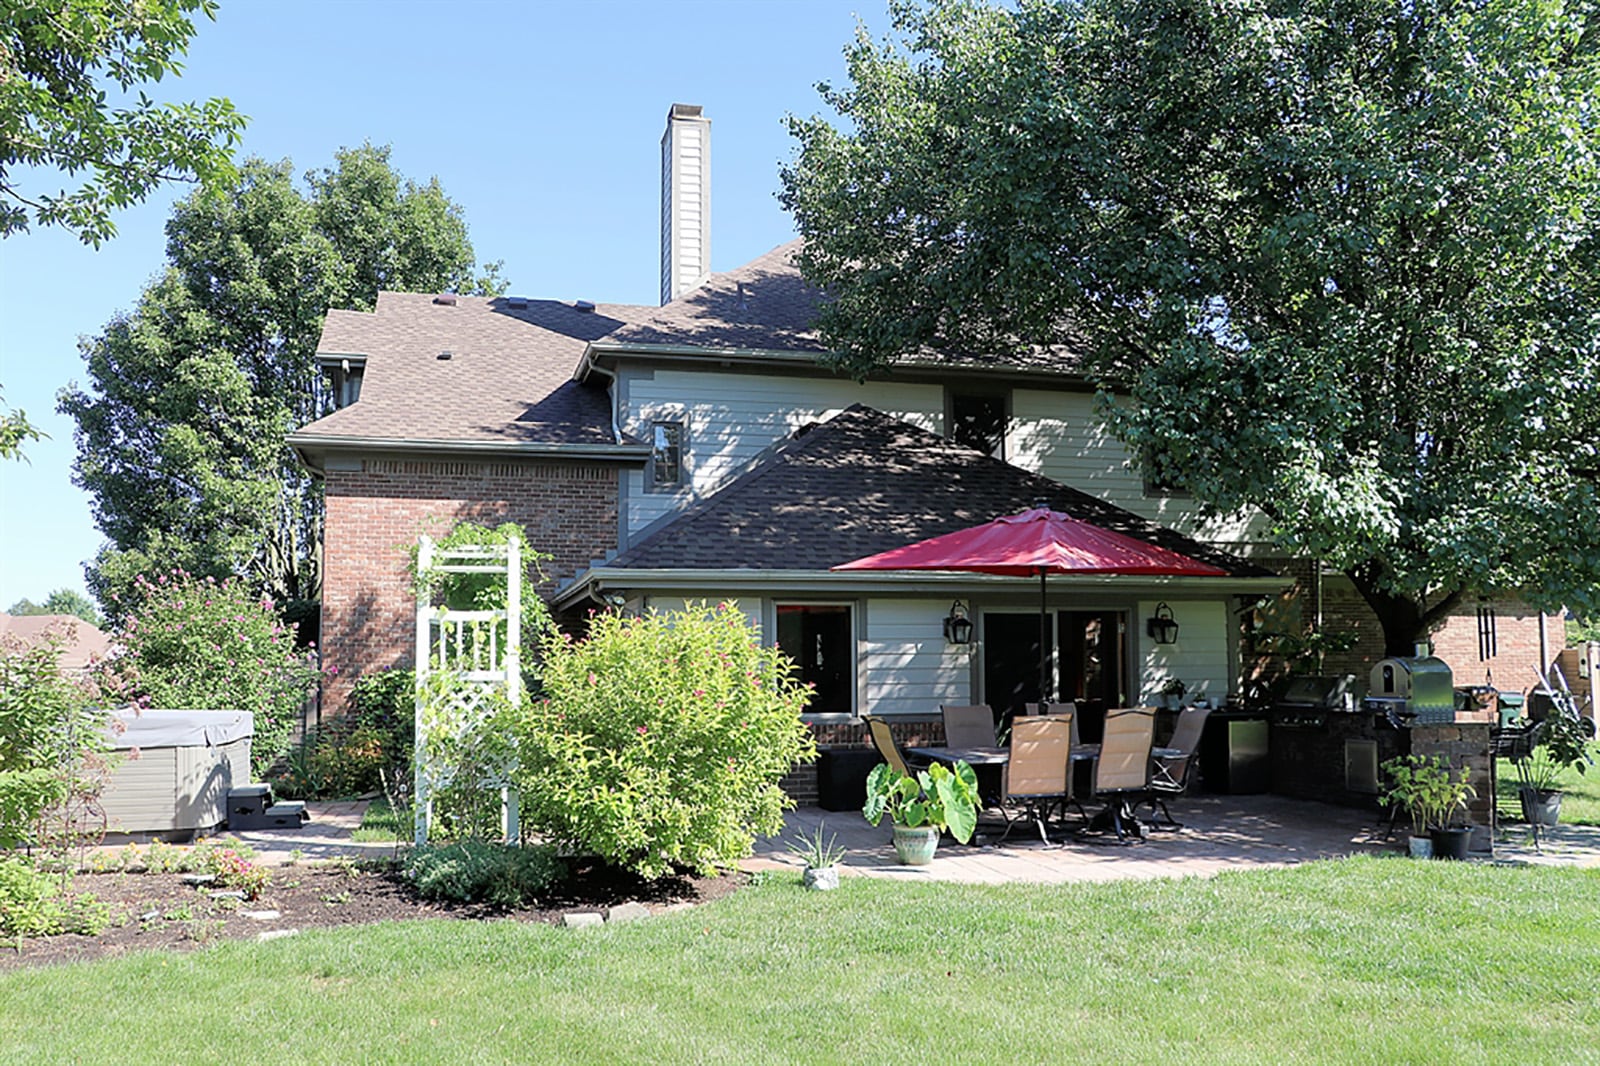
(1544, 646)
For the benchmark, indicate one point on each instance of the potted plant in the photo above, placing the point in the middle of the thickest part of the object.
(1559, 742)
(1450, 797)
(1411, 791)
(923, 806)
(1172, 693)
(821, 859)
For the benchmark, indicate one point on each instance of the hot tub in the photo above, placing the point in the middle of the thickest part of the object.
(187, 761)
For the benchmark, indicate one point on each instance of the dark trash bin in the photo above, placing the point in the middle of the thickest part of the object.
(842, 777)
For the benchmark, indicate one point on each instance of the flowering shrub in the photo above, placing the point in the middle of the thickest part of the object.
(662, 740)
(234, 870)
(196, 644)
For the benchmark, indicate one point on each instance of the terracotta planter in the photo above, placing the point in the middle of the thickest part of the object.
(915, 847)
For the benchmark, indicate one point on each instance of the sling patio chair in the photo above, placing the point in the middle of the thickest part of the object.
(1122, 771)
(1170, 766)
(889, 749)
(968, 726)
(1038, 776)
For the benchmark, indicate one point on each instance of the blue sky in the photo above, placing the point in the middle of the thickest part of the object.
(543, 120)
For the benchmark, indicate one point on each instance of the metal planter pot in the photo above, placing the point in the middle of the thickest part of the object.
(1540, 808)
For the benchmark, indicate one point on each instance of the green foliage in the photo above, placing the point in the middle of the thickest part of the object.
(1579, 632)
(61, 601)
(60, 57)
(15, 431)
(181, 426)
(815, 852)
(34, 902)
(203, 644)
(53, 745)
(662, 740)
(234, 869)
(1561, 743)
(1425, 787)
(1336, 261)
(472, 871)
(938, 796)
(362, 750)
(488, 592)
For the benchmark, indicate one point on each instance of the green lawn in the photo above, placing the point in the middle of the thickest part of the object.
(379, 825)
(1363, 960)
(1579, 806)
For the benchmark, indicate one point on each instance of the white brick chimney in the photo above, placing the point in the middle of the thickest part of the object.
(685, 201)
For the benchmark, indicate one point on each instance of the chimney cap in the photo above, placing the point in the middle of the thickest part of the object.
(685, 111)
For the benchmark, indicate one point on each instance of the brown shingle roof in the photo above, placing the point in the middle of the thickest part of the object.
(509, 378)
(863, 483)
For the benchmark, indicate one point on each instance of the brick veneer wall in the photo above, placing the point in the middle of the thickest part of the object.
(375, 514)
(1455, 640)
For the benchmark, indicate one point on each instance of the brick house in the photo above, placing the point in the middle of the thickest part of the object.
(696, 450)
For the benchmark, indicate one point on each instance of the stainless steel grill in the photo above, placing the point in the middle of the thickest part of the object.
(1414, 690)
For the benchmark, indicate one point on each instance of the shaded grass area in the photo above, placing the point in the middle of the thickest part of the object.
(1579, 806)
(380, 825)
(1359, 960)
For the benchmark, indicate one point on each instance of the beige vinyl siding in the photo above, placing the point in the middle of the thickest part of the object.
(1199, 658)
(732, 418)
(909, 668)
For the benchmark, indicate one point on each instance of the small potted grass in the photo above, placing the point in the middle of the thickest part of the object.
(821, 859)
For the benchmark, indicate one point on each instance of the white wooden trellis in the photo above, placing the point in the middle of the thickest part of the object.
(469, 644)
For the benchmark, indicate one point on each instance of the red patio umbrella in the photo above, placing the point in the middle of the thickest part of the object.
(1043, 542)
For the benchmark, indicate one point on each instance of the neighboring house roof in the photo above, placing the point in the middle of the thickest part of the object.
(82, 643)
(511, 384)
(863, 483)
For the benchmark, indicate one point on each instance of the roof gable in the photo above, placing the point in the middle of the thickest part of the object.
(863, 483)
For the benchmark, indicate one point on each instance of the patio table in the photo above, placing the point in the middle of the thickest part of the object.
(987, 763)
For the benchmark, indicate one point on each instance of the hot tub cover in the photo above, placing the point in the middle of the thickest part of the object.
(181, 729)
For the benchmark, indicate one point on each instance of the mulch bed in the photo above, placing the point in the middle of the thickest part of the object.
(159, 911)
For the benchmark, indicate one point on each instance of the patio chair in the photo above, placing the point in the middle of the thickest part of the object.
(1122, 772)
(1037, 775)
(887, 747)
(1169, 773)
(968, 726)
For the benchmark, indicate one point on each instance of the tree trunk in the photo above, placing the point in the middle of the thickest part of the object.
(1400, 616)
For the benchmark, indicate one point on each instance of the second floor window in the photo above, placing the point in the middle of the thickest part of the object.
(978, 420)
(666, 454)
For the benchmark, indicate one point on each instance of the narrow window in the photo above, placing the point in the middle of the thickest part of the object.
(818, 637)
(978, 420)
(666, 454)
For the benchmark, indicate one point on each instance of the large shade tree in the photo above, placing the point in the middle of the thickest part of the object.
(1334, 260)
(180, 429)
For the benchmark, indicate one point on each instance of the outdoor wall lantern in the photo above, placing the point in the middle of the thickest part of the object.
(1162, 627)
(957, 626)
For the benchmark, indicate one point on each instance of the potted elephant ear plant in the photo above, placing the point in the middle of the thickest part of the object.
(922, 806)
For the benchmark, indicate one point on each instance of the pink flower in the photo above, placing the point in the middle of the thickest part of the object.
(699, 692)
(593, 679)
(643, 730)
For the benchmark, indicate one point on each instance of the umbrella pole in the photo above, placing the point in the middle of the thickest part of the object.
(1044, 643)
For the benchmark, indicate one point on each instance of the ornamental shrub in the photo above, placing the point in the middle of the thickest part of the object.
(661, 740)
(53, 746)
(195, 644)
(35, 902)
(366, 749)
(473, 871)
